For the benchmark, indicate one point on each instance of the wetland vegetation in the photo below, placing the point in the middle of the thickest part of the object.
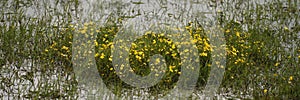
(262, 46)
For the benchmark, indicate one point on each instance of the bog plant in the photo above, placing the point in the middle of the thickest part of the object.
(262, 52)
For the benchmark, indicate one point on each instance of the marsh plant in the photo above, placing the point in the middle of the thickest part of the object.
(262, 49)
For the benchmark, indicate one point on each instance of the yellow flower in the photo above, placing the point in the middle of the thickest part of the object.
(203, 54)
(179, 73)
(110, 58)
(277, 64)
(188, 27)
(65, 48)
(167, 52)
(97, 54)
(227, 31)
(171, 68)
(135, 52)
(154, 41)
(286, 28)
(169, 42)
(237, 34)
(206, 46)
(133, 45)
(138, 57)
(102, 55)
(157, 61)
(239, 60)
(208, 65)
(96, 43)
(173, 46)
(141, 53)
(234, 51)
(194, 41)
(111, 69)
(104, 46)
(64, 55)
(265, 90)
(173, 54)
(291, 78)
